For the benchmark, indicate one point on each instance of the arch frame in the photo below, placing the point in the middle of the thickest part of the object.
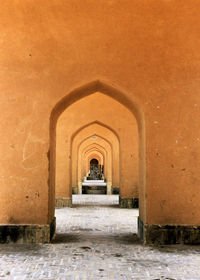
(118, 94)
(116, 140)
(109, 163)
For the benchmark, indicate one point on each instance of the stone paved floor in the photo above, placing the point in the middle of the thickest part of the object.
(98, 242)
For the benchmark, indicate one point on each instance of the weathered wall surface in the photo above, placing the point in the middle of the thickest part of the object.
(147, 49)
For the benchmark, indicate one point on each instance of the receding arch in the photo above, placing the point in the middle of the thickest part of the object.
(64, 180)
(96, 154)
(77, 158)
(100, 137)
(92, 130)
(117, 94)
(90, 149)
(93, 152)
(95, 149)
(92, 87)
(98, 123)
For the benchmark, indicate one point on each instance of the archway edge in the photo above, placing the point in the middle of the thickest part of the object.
(98, 123)
(93, 87)
(94, 149)
(95, 152)
(89, 153)
(99, 136)
(132, 104)
(93, 145)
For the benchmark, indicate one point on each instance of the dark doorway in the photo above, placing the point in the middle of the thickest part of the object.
(94, 161)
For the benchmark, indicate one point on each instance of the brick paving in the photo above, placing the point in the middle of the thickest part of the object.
(97, 240)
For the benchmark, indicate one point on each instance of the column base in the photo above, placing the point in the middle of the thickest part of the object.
(74, 190)
(27, 234)
(115, 190)
(131, 202)
(63, 202)
(79, 189)
(165, 235)
(109, 188)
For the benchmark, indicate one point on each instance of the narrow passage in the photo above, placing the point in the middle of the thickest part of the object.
(97, 218)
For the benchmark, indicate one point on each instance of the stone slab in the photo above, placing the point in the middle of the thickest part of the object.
(168, 234)
(115, 190)
(63, 202)
(132, 202)
(27, 234)
(88, 183)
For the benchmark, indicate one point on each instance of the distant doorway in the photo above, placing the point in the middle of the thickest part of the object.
(94, 161)
(95, 183)
(118, 138)
(96, 170)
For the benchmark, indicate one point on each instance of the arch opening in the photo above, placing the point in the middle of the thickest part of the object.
(104, 137)
(94, 161)
(106, 147)
(117, 96)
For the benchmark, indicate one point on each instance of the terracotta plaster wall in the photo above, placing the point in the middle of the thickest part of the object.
(148, 49)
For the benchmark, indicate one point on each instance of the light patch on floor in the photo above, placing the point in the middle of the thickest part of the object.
(98, 242)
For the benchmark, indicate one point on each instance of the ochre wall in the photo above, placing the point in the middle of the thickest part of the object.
(147, 49)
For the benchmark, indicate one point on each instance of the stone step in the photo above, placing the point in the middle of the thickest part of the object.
(94, 181)
(93, 184)
(96, 192)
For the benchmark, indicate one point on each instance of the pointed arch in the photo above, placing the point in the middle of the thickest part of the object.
(77, 157)
(132, 104)
(92, 87)
(112, 138)
(94, 150)
(92, 123)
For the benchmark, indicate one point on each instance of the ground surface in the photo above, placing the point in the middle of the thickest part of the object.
(98, 242)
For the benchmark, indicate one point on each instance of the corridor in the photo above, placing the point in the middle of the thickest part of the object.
(95, 239)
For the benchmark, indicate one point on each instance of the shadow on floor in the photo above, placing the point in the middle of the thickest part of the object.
(96, 238)
(65, 238)
(94, 205)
